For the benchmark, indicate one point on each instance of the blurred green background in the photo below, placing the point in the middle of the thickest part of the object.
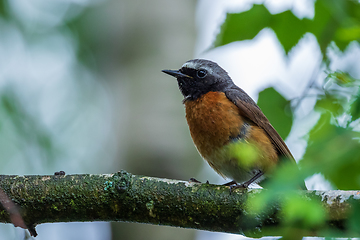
(81, 89)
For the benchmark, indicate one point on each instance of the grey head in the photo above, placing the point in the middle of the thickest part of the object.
(199, 76)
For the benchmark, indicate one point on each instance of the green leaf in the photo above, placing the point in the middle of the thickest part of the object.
(355, 107)
(4, 9)
(343, 79)
(276, 109)
(333, 151)
(354, 217)
(334, 20)
(298, 209)
(332, 103)
(246, 25)
(243, 26)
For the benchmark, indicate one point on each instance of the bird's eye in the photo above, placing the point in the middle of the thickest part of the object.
(201, 73)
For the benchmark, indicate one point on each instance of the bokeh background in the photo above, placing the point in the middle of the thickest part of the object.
(81, 90)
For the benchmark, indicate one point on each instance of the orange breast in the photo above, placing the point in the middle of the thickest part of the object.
(212, 120)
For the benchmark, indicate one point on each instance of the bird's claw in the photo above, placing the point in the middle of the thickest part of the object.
(237, 186)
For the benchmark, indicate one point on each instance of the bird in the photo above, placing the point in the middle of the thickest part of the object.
(227, 127)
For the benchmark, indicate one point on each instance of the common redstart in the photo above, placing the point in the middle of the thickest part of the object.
(228, 128)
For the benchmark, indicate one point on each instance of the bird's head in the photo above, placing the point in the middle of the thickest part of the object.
(198, 77)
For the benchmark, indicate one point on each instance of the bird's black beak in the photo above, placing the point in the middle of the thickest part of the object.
(176, 73)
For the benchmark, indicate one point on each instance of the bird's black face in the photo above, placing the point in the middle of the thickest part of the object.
(198, 76)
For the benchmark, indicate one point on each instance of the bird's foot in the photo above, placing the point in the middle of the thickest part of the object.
(230, 183)
(246, 184)
(234, 185)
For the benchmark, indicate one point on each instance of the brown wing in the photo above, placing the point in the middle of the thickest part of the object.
(251, 110)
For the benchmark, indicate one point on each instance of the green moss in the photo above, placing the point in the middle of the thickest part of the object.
(108, 185)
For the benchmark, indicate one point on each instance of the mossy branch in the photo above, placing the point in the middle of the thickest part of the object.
(130, 198)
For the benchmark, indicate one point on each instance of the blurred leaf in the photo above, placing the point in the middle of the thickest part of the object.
(297, 209)
(4, 9)
(343, 78)
(274, 106)
(347, 21)
(355, 107)
(86, 48)
(285, 180)
(337, 21)
(247, 154)
(343, 98)
(26, 125)
(354, 218)
(331, 103)
(334, 151)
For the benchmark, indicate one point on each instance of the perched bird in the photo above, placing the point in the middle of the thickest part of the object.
(228, 128)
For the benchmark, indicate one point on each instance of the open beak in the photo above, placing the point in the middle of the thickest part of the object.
(176, 73)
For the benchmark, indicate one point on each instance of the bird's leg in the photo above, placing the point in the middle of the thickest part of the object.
(247, 183)
(230, 183)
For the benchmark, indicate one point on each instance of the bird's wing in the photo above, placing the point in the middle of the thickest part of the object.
(251, 110)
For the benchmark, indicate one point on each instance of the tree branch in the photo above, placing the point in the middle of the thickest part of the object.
(126, 197)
